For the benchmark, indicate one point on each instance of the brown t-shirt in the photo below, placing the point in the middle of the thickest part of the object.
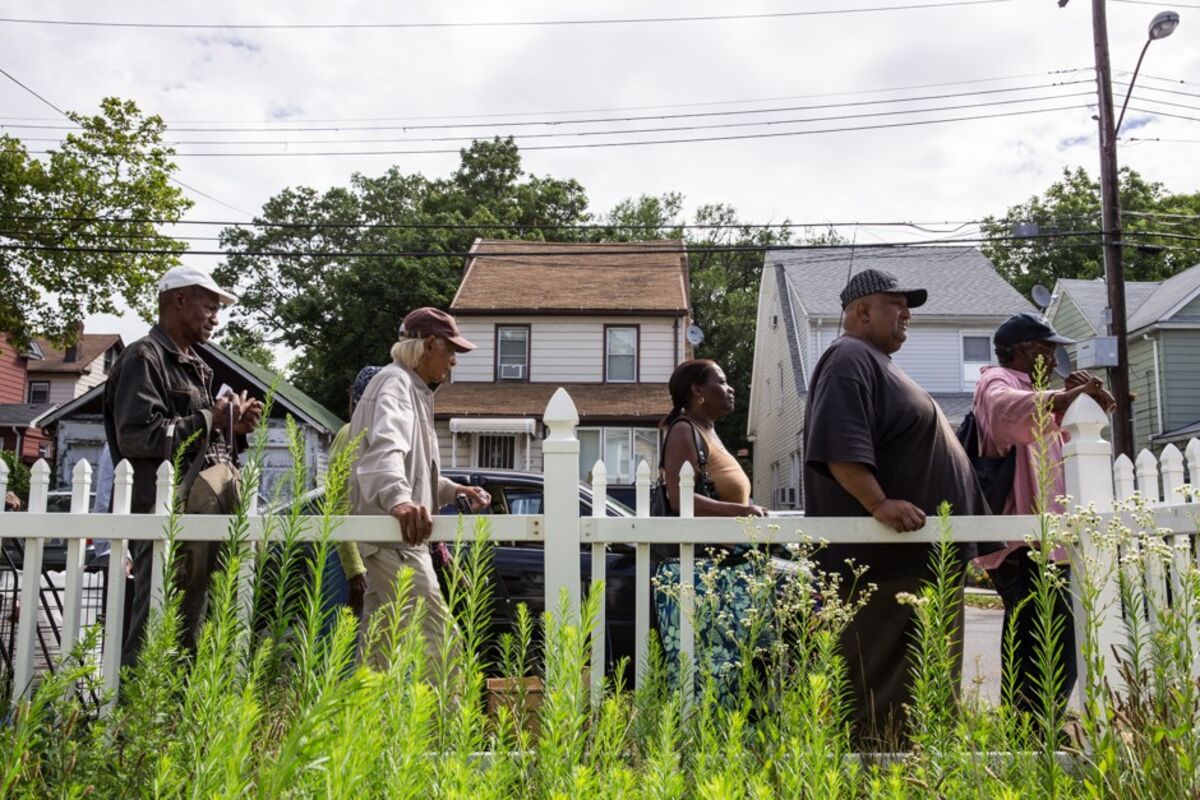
(864, 409)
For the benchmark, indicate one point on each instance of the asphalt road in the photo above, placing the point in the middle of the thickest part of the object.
(981, 653)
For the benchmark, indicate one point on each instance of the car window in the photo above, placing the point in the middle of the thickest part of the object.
(523, 501)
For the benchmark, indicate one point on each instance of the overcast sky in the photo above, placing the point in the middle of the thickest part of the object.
(952, 171)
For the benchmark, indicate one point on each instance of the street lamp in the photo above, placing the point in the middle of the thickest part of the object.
(1163, 25)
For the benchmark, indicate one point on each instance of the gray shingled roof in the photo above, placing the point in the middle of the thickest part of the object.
(961, 281)
(954, 406)
(1170, 293)
(21, 415)
(1092, 298)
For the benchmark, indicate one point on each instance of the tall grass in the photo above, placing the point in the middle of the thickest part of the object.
(273, 704)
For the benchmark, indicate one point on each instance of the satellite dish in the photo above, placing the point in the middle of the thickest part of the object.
(1062, 361)
(694, 335)
(1041, 296)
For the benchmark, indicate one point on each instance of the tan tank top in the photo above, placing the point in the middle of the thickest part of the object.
(724, 471)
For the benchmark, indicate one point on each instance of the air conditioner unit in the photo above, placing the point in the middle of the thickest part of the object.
(512, 372)
(785, 496)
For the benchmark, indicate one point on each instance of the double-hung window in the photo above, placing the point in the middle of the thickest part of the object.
(512, 352)
(620, 354)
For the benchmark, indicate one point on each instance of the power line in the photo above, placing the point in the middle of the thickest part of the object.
(598, 120)
(632, 249)
(634, 143)
(490, 23)
(171, 178)
(624, 131)
(613, 109)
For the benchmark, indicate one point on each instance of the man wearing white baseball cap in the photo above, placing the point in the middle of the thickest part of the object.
(158, 394)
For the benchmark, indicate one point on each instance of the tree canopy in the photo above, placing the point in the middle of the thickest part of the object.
(309, 302)
(72, 224)
(340, 304)
(1158, 229)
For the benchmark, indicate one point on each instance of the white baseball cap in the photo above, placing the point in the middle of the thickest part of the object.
(179, 277)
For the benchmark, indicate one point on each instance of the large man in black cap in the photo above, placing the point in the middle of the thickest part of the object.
(878, 445)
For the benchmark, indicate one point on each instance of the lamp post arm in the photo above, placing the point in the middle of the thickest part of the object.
(1132, 81)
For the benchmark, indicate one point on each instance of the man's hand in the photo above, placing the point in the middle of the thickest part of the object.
(12, 502)
(415, 524)
(477, 497)
(899, 515)
(1083, 382)
(251, 413)
(357, 594)
(220, 413)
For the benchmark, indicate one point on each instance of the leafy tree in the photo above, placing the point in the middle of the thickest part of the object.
(1158, 230)
(309, 301)
(250, 345)
(18, 475)
(115, 169)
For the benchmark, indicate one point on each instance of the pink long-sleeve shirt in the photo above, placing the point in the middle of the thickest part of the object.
(1006, 413)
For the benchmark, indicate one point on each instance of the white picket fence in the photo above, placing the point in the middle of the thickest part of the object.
(1090, 478)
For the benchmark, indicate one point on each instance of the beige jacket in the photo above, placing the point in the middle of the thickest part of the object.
(398, 457)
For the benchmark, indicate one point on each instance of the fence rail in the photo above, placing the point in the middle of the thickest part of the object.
(1092, 479)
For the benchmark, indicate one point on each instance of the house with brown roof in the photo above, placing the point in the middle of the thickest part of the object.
(605, 321)
(19, 418)
(64, 373)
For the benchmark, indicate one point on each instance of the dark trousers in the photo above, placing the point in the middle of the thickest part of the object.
(194, 564)
(1015, 581)
(876, 645)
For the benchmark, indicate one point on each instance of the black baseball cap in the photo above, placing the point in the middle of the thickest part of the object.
(873, 281)
(1027, 327)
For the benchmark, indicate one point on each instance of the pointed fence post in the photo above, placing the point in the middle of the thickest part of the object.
(560, 453)
(1155, 571)
(1192, 451)
(31, 580)
(687, 587)
(643, 595)
(1171, 466)
(73, 588)
(599, 567)
(1123, 478)
(164, 501)
(1089, 479)
(114, 613)
(245, 583)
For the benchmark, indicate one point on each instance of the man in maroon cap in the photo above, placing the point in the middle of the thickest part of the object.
(397, 472)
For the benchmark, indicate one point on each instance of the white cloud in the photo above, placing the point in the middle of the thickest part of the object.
(959, 170)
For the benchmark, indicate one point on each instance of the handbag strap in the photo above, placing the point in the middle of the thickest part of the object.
(697, 440)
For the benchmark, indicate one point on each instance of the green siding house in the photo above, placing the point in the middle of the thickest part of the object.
(1163, 323)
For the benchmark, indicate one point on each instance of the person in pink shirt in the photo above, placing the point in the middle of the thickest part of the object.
(1006, 412)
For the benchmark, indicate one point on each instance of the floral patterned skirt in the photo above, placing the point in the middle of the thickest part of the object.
(724, 613)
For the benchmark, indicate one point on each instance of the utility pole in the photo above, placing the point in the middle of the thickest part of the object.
(1114, 264)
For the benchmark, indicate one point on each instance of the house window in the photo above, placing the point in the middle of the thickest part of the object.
(39, 392)
(512, 352)
(622, 449)
(110, 355)
(976, 353)
(495, 452)
(620, 354)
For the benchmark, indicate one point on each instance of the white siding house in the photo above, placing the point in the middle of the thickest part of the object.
(799, 315)
(606, 321)
(65, 373)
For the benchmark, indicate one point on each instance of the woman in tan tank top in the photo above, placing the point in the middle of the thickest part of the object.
(700, 396)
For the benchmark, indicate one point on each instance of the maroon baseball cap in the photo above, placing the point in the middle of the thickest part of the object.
(428, 321)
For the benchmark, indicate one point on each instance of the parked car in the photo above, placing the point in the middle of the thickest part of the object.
(518, 568)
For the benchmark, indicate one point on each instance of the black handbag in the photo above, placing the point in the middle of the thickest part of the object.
(660, 501)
